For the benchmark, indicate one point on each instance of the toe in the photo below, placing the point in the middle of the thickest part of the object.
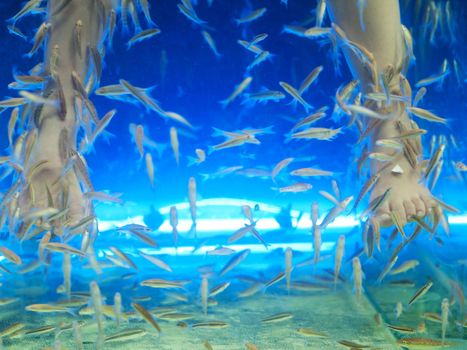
(419, 206)
(429, 202)
(382, 215)
(399, 212)
(409, 209)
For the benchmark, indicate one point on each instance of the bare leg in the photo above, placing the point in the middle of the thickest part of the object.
(384, 39)
(75, 27)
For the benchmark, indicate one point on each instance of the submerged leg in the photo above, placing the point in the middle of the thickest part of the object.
(72, 58)
(382, 37)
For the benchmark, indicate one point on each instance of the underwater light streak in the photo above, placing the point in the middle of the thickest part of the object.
(231, 225)
(255, 248)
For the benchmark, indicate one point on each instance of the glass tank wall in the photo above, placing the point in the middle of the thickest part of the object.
(249, 174)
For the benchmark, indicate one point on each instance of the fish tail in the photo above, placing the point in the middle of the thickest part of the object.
(191, 161)
(211, 149)
(224, 103)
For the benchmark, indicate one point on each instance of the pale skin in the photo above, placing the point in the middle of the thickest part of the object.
(383, 38)
(61, 40)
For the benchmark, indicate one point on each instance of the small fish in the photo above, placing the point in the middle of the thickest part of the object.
(340, 247)
(306, 172)
(377, 202)
(207, 345)
(310, 119)
(397, 220)
(296, 188)
(279, 166)
(77, 35)
(444, 317)
(295, 95)
(404, 267)
(39, 37)
(16, 31)
(11, 256)
(250, 47)
(96, 298)
(13, 102)
(420, 292)
(204, 294)
(162, 284)
(419, 96)
(189, 12)
(123, 257)
(112, 25)
(238, 90)
(460, 166)
(29, 7)
(361, 4)
(259, 58)
(174, 223)
(143, 35)
(317, 240)
(40, 100)
(139, 136)
(437, 78)
(399, 309)
(369, 184)
(201, 157)
(352, 345)
(277, 317)
(320, 12)
(387, 268)
(258, 38)
(421, 343)
(150, 168)
(118, 308)
(46, 308)
(312, 33)
(174, 143)
(221, 251)
(8, 301)
(146, 315)
(288, 267)
(279, 277)
(401, 329)
(174, 316)
(67, 273)
(125, 335)
(15, 327)
(250, 346)
(156, 261)
(427, 115)
(210, 324)
(40, 330)
(252, 16)
(309, 332)
(366, 112)
(316, 133)
(357, 276)
(219, 289)
(310, 77)
(234, 261)
(211, 43)
(192, 199)
(63, 248)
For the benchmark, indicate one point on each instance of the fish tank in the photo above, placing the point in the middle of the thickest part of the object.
(212, 174)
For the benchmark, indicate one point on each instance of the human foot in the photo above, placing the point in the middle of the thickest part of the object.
(54, 173)
(400, 187)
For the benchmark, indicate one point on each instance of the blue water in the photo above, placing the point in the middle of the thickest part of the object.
(190, 80)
